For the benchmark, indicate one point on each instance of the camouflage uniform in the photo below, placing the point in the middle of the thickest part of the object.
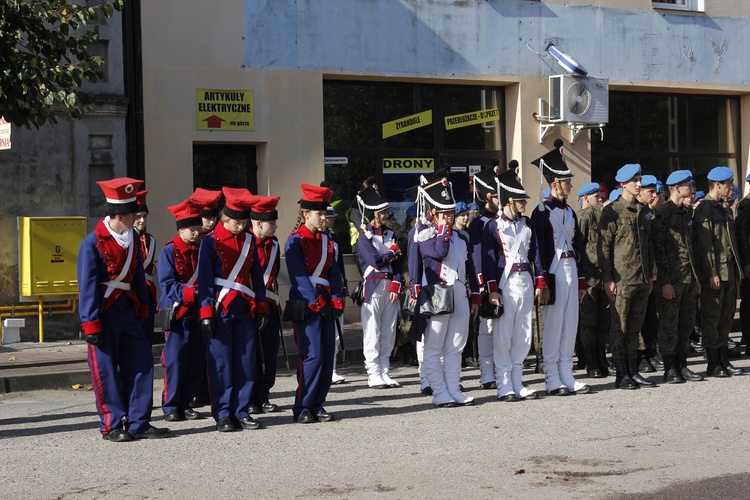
(713, 239)
(625, 257)
(594, 310)
(673, 254)
(742, 230)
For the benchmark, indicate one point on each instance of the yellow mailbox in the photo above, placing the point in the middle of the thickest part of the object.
(48, 254)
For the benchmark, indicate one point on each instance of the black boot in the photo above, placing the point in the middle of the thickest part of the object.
(723, 361)
(592, 363)
(644, 365)
(671, 373)
(622, 379)
(601, 355)
(633, 370)
(686, 373)
(656, 359)
(714, 369)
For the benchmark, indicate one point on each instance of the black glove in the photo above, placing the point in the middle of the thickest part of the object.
(337, 313)
(327, 312)
(207, 325)
(261, 321)
(94, 339)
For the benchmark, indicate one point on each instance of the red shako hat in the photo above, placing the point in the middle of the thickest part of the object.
(211, 201)
(314, 197)
(187, 214)
(264, 208)
(121, 194)
(141, 200)
(239, 202)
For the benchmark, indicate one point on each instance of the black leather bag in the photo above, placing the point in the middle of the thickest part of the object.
(167, 318)
(435, 299)
(487, 309)
(407, 308)
(358, 294)
(295, 310)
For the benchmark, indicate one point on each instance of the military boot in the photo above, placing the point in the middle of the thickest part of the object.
(604, 365)
(592, 360)
(724, 361)
(671, 373)
(633, 370)
(622, 379)
(714, 369)
(686, 373)
(644, 365)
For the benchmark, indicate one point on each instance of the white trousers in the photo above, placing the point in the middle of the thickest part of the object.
(444, 340)
(512, 332)
(485, 349)
(560, 327)
(379, 316)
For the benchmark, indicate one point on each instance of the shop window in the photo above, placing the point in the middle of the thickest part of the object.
(231, 165)
(667, 132)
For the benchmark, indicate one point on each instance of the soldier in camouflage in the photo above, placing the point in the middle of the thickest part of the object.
(718, 271)
(594, 310)
(676, 277)
(627, 272)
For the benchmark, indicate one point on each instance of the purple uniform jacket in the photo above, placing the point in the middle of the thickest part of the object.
(434, 250)
(380, 268)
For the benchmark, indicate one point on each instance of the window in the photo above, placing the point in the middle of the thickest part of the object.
(231, 165)
(461, 125)
(692, 5)
(667, 132)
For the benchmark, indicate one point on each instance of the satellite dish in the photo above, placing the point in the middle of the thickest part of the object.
(567, 62)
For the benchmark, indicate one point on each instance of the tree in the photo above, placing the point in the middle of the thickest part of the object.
(44, 58)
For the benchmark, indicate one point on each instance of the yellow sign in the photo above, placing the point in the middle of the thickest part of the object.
(408, 165)
(224, 109)
(407, 123)
(473, 118)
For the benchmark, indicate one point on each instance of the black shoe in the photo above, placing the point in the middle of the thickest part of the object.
(672, 376)
(269, 407)
(724, 362)
(152, 433)
(689, 375)
(625, 382)
(508, 398)
(633, 371)
(586, 389)
(199, 402)
(249, 423)
(225, 425)
(254, 410)
(191, 414)
(324, 416)
(305, 417)
(449, 404)
(595, 373)
(118, 435)
(471, 363)
(562, 391)
(427, 391)
(174, 416)
(489, 385)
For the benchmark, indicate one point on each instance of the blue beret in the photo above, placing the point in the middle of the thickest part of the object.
(699, 195)
(473, 206)
(659, 187)
(736, 193)
(461, 207)
(546, 193)
(590, 188)
(747, 178)
(720, 174)
(648, 181)
(678, 177)
(615, 194)
(412, 211)
(627, 172)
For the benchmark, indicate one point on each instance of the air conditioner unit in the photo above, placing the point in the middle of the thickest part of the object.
(578, 99)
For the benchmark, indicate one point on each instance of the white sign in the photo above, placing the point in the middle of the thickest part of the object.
(4, 134)
(335, 160)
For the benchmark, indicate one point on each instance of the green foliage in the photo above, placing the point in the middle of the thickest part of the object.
(44, 53)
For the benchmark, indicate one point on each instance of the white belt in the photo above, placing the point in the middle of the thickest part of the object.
(117, 284)
(272, 296)
(233, 285)
(319, 281)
